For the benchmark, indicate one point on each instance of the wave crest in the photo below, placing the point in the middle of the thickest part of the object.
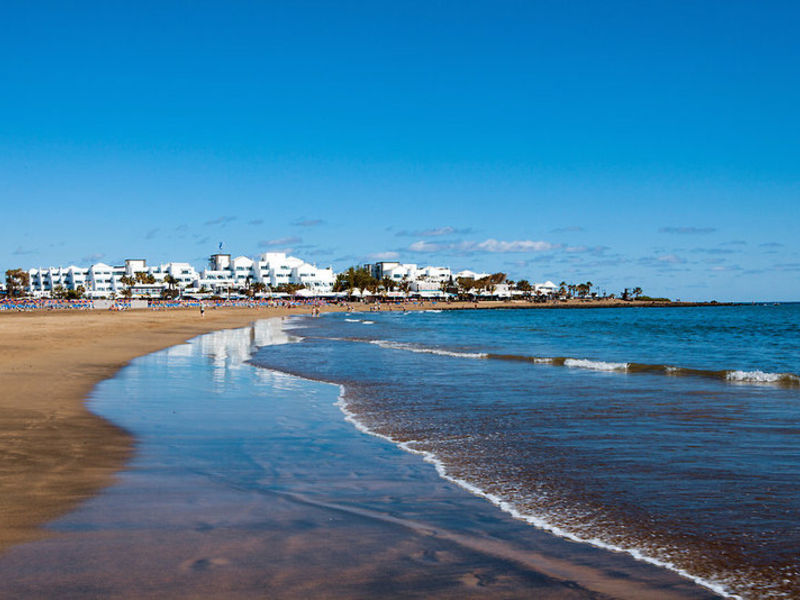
(426, 350)
(595, 365)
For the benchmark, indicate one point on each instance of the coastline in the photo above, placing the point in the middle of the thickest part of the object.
(252, 511)
(56, 453)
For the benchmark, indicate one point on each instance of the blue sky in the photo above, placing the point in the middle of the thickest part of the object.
(628, 143)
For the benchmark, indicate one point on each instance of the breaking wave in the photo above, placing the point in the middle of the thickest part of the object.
(426, 350)
(789, 380)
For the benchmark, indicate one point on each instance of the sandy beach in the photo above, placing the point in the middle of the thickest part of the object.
(54, 452)
(176, 525)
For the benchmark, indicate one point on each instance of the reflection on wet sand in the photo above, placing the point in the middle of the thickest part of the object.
(248, 483)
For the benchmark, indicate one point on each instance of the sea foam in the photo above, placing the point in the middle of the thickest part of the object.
(426, 350)
(509, 507)
(761, 377)
(595, 365)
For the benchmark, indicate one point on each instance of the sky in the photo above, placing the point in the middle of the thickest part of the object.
(650, 144)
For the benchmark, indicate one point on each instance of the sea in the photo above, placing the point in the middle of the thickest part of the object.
(670, 434)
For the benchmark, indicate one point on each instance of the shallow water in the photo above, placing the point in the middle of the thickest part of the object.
(581, 425)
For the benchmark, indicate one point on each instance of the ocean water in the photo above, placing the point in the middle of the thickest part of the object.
(672, 434)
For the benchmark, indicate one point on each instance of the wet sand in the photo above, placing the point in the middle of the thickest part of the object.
(53, 452)
(248, 483)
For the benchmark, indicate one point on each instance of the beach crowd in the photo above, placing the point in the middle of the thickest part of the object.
(52, 304)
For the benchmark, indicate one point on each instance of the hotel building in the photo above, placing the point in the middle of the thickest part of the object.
(224, 275)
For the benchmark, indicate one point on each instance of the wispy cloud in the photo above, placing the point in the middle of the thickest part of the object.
(596, 250)
(793, 266)
(570, 229)
(423, 246)
(734, 243)
(223, 220)
(345, 258)
(93, 258)
(151, 234)
(713, 251)
(20, 251)
(284, 241)
(437, 232)
(662, 261)
(384, 255)
(256, 222)
(491, 246)
(771, 245)
(303, 222)
(688, 230)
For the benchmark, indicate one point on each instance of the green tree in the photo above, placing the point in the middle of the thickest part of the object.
(170, 281)
(524, 286)
(355, 278)
(128, 282)
(75, 294)
(17, 282)
(465, 286)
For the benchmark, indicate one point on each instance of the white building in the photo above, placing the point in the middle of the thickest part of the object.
(273, 269)
(467, 274)
(224, 275)
(545, 289)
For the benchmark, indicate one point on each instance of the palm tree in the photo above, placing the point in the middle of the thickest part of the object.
(171, 283)
(128, 282)
(388, 284)
(258, 288)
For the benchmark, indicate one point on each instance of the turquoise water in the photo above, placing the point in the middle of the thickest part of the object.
(671, 434)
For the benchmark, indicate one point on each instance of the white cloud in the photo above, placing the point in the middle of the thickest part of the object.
(688, 230)
(281, 241)
(435, 232)
(307, 222)
(492, 245)
(671, 259)
(423, 246)
(383, 256)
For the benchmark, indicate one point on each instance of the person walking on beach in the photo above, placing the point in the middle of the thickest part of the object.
(202, 311)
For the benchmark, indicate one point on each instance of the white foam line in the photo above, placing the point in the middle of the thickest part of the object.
(595, 365)
(759, 377)
(509, 508)
(506, 506)
(424, 350)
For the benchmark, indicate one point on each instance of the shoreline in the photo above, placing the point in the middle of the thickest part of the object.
(55, 452)
(392, 522)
